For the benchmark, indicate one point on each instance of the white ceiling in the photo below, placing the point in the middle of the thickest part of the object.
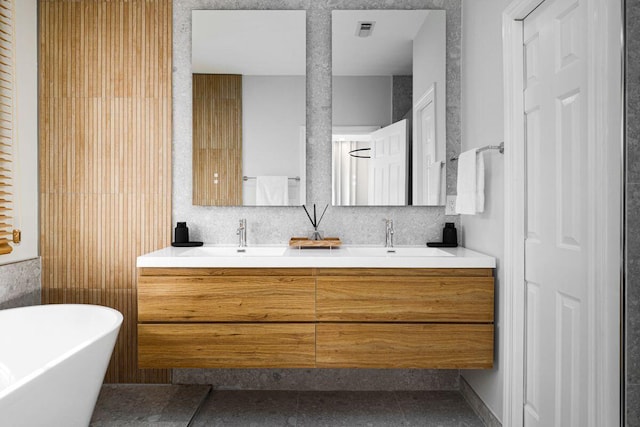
(249, 42)
(388, 51)
(273, 42)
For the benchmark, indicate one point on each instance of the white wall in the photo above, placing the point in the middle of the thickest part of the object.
(273, 110)
(482, 124)
(362, 100)
(429, 69)
(26, 205)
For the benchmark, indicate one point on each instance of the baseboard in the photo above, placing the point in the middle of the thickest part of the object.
(478, 406)
(321, 379)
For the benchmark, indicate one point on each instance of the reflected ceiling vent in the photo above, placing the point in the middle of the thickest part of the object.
(365, 28)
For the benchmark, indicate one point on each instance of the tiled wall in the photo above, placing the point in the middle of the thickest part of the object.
(632, 320)
(268, 225)
(20, 284)
(414, 225)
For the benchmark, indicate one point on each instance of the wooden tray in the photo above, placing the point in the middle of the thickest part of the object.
(304, 242)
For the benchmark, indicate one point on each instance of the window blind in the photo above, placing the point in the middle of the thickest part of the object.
(7, 120)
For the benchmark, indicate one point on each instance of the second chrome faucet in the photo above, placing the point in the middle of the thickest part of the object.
(242, 233)
(388, 243)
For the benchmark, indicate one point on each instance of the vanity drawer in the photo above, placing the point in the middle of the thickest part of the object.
(225, 299)
(405, 299)
(219, 345)
(425, 346)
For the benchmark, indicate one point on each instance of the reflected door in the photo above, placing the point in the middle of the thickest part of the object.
(428, 174)
(388, 166)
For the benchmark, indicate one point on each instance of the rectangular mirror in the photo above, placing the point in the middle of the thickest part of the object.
(389, 107)
(249, 107)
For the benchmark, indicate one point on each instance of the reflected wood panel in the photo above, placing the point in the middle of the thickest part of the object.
(217, 139)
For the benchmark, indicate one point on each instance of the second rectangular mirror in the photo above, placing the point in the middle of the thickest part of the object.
(389, 107)
(249, 107)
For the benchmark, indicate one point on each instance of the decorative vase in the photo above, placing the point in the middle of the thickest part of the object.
(316, 235)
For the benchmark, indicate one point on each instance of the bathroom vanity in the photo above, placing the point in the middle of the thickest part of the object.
(354, 307)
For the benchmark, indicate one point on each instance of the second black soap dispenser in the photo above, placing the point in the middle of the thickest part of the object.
(449, 237)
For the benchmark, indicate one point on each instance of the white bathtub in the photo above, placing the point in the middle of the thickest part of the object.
(52, 362)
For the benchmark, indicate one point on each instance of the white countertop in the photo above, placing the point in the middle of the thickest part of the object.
(344, 256)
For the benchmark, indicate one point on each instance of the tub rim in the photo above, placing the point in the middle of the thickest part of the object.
(66, 354)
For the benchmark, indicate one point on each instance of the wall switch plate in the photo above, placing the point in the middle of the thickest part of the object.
(450, 207)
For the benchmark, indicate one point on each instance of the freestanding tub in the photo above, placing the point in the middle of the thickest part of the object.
(52, 362)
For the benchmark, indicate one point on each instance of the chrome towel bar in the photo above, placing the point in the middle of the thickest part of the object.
(247, 178)
(499, 147)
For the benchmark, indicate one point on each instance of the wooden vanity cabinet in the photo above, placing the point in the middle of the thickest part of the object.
(325, 318)
(404, 318)
(214, 318)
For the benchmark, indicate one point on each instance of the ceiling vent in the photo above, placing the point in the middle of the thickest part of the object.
(365, 28)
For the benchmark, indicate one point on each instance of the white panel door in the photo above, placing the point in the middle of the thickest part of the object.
(424, 147)
(388, 166)
(557, 215)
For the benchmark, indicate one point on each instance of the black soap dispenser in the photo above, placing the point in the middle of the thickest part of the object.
(450, 234)
(449, 237)
(181, 236)
(181, 233)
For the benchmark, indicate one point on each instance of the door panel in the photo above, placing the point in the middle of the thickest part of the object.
(557, 215)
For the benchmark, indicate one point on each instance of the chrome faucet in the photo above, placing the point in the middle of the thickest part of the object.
(388, 243)
(242, 233)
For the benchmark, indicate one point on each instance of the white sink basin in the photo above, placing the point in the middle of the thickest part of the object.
(234, 251)
(273, 256)
(397, 252)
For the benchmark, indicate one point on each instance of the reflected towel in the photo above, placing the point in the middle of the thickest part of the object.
(470, 198)
(434, 179)
(272, 191)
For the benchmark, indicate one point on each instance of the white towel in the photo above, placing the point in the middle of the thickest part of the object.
(434, 178)
(470, 198)
(272, 191)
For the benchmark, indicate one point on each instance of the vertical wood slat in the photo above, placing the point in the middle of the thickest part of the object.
(217, 139)
(105, 155)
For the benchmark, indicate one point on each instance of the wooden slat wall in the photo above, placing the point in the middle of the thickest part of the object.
(217, 139)
(105, 155)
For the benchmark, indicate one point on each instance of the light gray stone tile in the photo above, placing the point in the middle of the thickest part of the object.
(632, 232)
(437, 408)
(248, 408)
(633, 406)
(20, 283)
(633, 285)
(320, 379)
(633, 90)
(144, 405)
(217, 225)
(24, 300)
(344, 408)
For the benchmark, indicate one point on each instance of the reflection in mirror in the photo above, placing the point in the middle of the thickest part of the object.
(389, 107)
(249, 99)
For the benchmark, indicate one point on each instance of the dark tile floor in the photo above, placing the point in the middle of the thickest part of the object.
(129, 405)
(173, 406)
